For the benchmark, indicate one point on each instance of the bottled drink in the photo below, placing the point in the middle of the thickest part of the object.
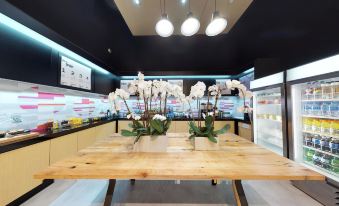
(308, 139)
(325, 109)
(334, 145)
(307, 108)
(335, 90)
(326, 161)
(317, 90)
(316, 125)
(326, 90)
(316, 141)
(317, 158)
(325, 126)
(307, 124)
(334, 128)
(335, 164)
(308, 154)
(325, 143)
(308, 92)
(334, 109)
(316, 108)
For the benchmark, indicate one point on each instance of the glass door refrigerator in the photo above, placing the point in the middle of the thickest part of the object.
(269, 113)
(314, 124)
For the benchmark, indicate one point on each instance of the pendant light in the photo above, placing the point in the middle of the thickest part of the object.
(191, 25)
(164, 26)
(217, 24)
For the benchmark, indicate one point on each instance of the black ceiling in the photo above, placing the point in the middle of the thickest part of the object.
(293, 31)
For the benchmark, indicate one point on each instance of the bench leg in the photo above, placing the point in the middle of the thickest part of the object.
(239, 193)
(109, 193)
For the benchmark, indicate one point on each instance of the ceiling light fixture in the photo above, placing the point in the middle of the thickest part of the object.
(137, 2)
(164, 26)
(217, 24)
(191, 25)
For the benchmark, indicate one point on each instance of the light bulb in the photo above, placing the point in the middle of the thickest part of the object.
(216, 26)
(164, 27)
(190, 26)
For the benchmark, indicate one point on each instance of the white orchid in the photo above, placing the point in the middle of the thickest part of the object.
(159, 117)
(137, 117)
(141, 76)
(214, 90)
(198, 90)
(122, 94)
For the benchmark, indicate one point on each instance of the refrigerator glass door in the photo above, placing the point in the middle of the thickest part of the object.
(316, 125)
(267, 119)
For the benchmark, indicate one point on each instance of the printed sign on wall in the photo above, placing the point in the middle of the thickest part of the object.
(74, 74)
(221, 83)
(178, 82)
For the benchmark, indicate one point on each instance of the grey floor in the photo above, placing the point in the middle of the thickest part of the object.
(167, 193)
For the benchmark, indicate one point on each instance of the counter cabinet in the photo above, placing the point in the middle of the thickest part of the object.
(18, 166)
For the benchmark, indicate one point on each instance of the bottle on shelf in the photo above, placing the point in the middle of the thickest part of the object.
(325, 161)
(317, 90)
(308, 154)
(333, 109)
(308, 139)
(335, 90)
(325, 126)
(316, 108)
(308, 92)
(334, 145)
(317, 158)
(316, 141)
(307, 124)
(325, 143)
(335, 164)
(326, 90)
(316, 125)
(325, 109)
(307, 108)
(334, 128)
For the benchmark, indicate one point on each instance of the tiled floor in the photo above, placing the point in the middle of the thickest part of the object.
(166, 193)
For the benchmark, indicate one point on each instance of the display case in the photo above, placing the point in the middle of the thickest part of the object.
(316, 125)
(313, 122)
(269, 127)
(267, 114)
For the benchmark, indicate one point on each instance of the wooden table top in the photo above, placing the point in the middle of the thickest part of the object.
(238, 159)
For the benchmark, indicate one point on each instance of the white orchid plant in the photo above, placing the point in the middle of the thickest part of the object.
(243, 93)
(196, 129)
(151, 121)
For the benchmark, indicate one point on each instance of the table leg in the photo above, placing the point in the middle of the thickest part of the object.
(109, 193)
(132, 181)
(239, 193)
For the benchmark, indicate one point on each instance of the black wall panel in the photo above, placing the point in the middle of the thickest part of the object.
(25, 59)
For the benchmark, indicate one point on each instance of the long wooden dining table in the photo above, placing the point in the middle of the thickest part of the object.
(113, 158)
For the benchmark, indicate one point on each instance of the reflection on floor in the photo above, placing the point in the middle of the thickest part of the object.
(166, 193)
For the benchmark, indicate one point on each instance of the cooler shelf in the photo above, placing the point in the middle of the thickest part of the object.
(319, 150)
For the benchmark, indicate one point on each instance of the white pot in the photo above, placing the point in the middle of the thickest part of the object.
(204, 144)
(151, 144)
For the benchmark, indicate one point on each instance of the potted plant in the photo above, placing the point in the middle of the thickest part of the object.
(149, 128)
(205, 136)
(243, 93)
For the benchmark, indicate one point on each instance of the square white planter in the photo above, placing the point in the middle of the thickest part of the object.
(204, 144)
(151, 144)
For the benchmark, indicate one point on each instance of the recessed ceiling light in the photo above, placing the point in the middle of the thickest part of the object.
(183, 1)
(137, 2)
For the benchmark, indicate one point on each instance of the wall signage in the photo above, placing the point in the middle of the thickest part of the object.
(74, 74)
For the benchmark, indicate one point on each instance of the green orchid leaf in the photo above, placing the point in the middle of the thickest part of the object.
(212, 139)
(208, 121)
(195, 129)
(158, 126)
(223, 129)
(127, 133)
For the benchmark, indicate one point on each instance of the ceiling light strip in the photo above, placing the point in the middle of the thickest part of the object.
(38, 37)
(182, 77)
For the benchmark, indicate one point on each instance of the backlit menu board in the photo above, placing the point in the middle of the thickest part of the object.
(74, 74)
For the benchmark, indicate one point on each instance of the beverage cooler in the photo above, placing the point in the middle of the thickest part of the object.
(314, 124)
(269, 119)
